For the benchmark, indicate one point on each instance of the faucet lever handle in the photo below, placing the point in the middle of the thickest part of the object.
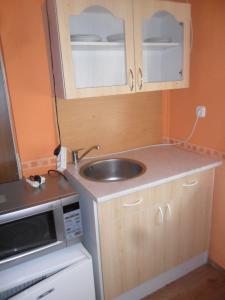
(75, 154)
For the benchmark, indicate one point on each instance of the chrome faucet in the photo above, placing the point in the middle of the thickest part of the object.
(75, 153)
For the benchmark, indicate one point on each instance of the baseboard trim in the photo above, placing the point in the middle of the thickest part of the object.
(216, 266)
(160, 281)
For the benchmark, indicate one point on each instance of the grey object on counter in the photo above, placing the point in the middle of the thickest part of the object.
(19, 194)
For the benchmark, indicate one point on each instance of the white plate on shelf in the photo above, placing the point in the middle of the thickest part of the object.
(158, 40)
(85, 38)
(118, 37)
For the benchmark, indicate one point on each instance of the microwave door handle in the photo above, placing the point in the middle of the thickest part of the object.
(59, 224)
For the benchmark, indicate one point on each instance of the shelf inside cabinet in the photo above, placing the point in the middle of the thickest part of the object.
(157, 46)
(117, 45)
(97, 45)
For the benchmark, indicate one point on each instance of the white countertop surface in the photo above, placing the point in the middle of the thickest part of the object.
(163, 165)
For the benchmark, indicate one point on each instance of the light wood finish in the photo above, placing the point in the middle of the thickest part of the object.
(8, 163)
(129, 237)
(145, 9)
(59, 12)
(205, 283)
(132, 12)
(187, 230)
(166, 226)
(115, 123)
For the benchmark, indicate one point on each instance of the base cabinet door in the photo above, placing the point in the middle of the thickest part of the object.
(187, 217)
(195, 198)
(149, 232)
(131, 242)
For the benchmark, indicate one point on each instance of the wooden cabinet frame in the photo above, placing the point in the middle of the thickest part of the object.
(59, 12)
(132, 12)
(169, 225)
(145, 9)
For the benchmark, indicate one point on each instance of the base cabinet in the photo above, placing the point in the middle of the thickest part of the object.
(149, 232)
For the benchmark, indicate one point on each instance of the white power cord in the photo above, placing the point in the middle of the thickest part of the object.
(183, 141)
(156, 145)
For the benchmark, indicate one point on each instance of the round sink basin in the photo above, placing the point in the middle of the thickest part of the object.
(115, 169)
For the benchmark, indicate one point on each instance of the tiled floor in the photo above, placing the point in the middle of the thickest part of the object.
(205, 283)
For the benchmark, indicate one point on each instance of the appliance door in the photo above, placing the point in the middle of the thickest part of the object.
(32, 230)
(72, 283)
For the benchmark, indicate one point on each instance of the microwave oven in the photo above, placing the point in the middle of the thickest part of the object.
(40, 229)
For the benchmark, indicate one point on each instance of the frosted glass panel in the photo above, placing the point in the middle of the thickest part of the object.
(162, 40)
(98, 49)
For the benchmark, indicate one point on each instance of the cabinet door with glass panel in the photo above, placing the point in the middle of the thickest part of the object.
(92, 47)
(162, 44)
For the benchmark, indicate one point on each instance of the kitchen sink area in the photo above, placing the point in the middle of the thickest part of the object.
(114, 169)
(154, 191)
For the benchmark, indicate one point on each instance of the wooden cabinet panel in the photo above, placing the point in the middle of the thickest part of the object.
(149, 232)
(195, 199)
(130, 239)
(187, 229)
(153, 57)
(163, 62)
(61, 13)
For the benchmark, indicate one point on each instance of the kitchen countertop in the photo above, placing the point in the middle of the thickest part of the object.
(19, 194)
(163, 165)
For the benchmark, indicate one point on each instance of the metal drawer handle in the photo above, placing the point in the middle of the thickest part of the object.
(169, 210)
(45, 294)
(132, 80)
(140, 78)
(139, 201)
(161, 220)
(195, 182)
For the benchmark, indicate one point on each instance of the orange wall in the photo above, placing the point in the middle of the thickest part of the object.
(207, 87)
(25, 45)
(26, 54)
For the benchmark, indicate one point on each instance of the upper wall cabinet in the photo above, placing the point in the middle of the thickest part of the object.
(114, 47)
(162, 44)
(92, 47)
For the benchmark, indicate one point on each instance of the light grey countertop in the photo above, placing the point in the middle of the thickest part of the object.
(163, 164)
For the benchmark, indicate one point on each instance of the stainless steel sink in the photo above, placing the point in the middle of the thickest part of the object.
(115, 169)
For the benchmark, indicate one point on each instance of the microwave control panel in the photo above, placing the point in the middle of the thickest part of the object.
(72, 221)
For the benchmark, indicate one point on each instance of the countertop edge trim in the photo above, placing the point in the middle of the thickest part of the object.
(157, 182)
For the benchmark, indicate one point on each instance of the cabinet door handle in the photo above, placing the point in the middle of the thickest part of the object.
(139, 201)
(140, 79)
(132, 80)
(161, 219)
(195, 182)
(168, 210)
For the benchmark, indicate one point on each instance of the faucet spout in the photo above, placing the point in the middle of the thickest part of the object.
(97, 147)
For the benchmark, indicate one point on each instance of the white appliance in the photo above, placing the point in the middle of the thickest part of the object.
(65, 274)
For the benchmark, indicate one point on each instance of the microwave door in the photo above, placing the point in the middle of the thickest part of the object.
(31, 231)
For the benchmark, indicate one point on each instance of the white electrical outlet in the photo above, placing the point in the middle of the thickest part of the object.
(201, 111)
(62, 159)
